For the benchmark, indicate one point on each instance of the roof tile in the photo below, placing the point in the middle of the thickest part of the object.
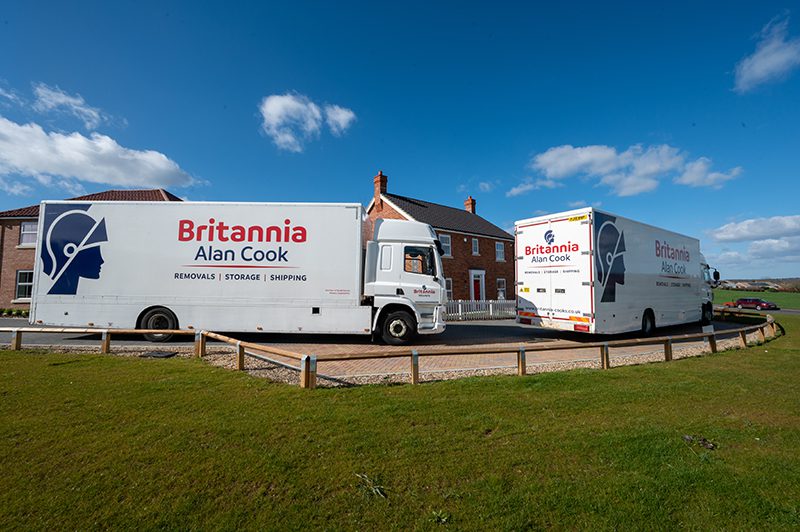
(156, 194)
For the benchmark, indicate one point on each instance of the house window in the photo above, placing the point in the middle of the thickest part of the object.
(419, 259)
(475, 248)
(501, 289)
(448, 286)
(27, 233)
(499, 252)
(24, 284)
(446, 245)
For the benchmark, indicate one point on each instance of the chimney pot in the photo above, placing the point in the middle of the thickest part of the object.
(469, 204)
(380, 181)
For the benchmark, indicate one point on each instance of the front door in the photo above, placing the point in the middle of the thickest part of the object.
(477, 288)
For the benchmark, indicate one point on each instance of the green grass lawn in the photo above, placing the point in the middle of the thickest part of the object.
(92, 441)
(789, 300)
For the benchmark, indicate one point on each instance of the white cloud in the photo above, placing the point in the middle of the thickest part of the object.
(576, 204)
(775, 247)
(758, 229)
(10, 95)
(54, 99)
(290, 120)
(529, 184)
(339, 119)
(14, 188)
(698, 174)
(636, 170)
(27, 150)
(774, 58)
(486, 186)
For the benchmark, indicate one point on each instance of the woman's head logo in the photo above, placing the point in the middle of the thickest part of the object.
(71, 247)
(609, 250)
(549, 237)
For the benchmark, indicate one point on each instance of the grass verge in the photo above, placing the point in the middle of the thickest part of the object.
(785, 300)
(92, 441)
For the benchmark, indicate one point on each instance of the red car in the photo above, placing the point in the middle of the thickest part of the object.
(751, 302)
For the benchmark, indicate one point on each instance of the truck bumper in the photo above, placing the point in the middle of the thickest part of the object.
(438, 325)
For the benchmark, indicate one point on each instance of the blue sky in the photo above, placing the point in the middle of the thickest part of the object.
(681, 115)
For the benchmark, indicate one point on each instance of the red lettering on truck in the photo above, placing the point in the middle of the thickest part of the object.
(188, 230)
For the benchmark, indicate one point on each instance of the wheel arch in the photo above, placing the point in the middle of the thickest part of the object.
(387, 309)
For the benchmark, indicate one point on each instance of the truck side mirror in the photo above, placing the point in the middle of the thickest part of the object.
(716, 275)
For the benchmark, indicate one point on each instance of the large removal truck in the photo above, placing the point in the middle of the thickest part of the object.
(591, 271)
(255, 267)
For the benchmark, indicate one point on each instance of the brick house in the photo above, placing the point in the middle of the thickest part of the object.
(479, 256)
(18, 230)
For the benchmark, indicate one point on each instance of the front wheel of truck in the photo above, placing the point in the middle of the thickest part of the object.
(398, 328)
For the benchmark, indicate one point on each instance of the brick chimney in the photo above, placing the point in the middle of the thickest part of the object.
(469, 204)
(380, 181)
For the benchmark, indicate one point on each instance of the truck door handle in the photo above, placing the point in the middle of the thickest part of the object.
(400, 292)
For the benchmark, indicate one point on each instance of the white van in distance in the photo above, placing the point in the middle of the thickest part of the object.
(591, 271)
(239, 267)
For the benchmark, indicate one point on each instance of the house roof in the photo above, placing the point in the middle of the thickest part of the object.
(156, 194)
(447, 218)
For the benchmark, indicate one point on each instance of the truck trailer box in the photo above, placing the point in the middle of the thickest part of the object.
(272, 267)
(591, 271)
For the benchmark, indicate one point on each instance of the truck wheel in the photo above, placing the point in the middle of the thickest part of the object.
(708, 315)
(648, 323)
(398, 328)
(158, 318)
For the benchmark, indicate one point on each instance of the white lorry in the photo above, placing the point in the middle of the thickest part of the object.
(591, 271)
(256, 267)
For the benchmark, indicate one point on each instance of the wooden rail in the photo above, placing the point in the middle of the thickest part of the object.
(308, 363)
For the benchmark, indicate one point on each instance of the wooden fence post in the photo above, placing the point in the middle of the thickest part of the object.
(16, 340)
(239, 356)
(199, 344)
(308, 372)
(522, 365)
(762, 335)
(712, 343)
(667, 349)
(414, 367)
(605, 359)
(105, 342)
(743, 339)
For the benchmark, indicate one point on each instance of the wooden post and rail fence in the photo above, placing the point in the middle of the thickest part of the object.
(307, 363)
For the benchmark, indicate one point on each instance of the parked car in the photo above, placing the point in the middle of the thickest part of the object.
(751, 302)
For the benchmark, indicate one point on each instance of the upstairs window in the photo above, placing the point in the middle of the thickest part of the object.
(475, 247)
(499, 252)
(446, 245)
(27, 233)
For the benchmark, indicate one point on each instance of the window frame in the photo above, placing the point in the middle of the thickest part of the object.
(431, 261)
(505, 288)
(448, 248)
(18, 284)
(476, 247)
(501, 247)
(448, 282)
(23, 233)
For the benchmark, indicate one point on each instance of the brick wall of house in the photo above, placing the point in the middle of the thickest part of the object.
(462, 261)
(14, 258)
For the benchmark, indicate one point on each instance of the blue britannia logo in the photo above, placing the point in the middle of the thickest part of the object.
(70, 246)
(549, 237)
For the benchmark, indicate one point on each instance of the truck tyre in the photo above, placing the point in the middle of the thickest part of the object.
(398, 328)
(708, 315)
(648, 323)
(158, 318)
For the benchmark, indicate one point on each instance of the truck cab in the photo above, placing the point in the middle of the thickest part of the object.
(404, 281)
(710, 278)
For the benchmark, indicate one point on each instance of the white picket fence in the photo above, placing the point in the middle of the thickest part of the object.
(486, 309)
